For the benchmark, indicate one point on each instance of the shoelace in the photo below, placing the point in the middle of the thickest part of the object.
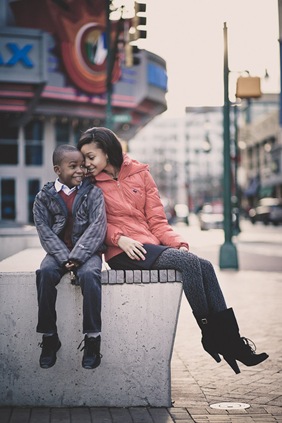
(47, 348)
(250, 344)
(41, 345)
(81, 344)
(84, 347)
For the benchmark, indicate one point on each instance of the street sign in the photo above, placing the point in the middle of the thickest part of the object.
(125, 118)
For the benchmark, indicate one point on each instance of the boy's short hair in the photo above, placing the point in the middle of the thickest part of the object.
(60, 151)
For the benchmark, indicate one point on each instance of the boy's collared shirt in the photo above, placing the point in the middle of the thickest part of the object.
(68, 191)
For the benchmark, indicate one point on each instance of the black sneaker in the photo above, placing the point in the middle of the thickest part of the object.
(50, 345)
(91, 355)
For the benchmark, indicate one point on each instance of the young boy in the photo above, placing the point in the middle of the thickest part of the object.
(70, 218)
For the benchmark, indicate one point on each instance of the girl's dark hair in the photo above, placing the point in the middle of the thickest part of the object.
(107, 141)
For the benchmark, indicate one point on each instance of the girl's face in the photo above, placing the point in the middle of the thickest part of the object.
(94, 158)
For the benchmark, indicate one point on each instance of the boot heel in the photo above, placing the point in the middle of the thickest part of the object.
(215, 356)
(211, 352)
(232, 363)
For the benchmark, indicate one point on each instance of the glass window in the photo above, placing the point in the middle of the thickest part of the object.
(33, 189)
(8, 202)
(8, 144)
(62, 133)
(33, 132)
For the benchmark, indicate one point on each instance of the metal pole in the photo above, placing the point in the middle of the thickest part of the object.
(112, 47)
(109, 86)
(280, 51)
(236, 229)
(228, 253)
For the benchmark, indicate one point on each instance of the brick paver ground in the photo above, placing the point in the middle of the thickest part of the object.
(197, 380)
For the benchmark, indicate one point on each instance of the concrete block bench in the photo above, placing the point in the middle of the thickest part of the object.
(139, 315)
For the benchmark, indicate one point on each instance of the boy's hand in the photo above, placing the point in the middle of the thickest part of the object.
(134, 249)
(71, 264)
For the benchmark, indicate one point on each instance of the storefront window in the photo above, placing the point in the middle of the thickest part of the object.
(62, 133)
(8, 144)
(8, 206)
(33, 132)
(33, 188)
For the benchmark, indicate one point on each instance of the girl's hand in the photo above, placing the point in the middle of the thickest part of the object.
(134, 249)
(184, 249)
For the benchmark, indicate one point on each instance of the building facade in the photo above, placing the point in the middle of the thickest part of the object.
(186, 154)
(260, 147)
(53, 86)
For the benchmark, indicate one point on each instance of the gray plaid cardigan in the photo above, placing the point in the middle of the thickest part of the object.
(89, 222)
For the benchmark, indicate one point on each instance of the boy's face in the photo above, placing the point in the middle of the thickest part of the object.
(71, 170)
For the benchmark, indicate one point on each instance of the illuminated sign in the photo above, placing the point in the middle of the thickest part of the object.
(23, 55)
(79, 28)
(157, 76)
(86, 58)
(18, 55)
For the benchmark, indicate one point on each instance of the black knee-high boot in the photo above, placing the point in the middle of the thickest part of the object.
(208, 338)
(221, 336)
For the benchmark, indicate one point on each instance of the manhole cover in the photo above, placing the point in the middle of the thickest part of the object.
(230, 405)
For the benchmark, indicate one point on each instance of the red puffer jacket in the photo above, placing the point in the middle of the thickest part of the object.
(134, 208)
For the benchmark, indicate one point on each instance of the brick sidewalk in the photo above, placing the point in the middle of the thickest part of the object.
(197, 380)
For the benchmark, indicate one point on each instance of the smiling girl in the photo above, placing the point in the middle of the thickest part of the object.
(139, 237)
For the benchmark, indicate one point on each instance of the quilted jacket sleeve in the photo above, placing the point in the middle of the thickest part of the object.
(113, 235)
(156, 217)
(93, 237)
(51, 243)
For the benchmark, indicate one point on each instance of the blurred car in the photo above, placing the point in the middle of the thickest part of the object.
(211, 217)
(268, 210)
(181, 213)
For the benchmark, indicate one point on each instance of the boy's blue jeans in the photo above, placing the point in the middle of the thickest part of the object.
(89, 278)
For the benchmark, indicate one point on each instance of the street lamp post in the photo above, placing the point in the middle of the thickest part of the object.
(228, 258)
(236, 229)
(109, 85)
(112, 48)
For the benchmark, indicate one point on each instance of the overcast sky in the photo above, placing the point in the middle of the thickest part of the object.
(188, 34)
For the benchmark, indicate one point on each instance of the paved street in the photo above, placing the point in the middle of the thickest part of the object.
(259, 247)
(197, 380)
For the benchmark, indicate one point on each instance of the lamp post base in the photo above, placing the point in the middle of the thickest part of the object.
(228, 258)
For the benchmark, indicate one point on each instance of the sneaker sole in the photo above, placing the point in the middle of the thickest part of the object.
(49, 367)
(91, 367)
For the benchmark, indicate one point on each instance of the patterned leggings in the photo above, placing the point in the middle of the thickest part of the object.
(200, 283)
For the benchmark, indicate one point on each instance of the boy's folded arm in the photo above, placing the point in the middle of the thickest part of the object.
(51, 243)
(92, 239)
(89, 243)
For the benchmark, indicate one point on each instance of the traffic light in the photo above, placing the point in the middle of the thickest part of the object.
(138, 20)
(134, 30)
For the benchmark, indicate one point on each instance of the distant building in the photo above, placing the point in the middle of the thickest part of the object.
(260, 146)
(185, 155)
